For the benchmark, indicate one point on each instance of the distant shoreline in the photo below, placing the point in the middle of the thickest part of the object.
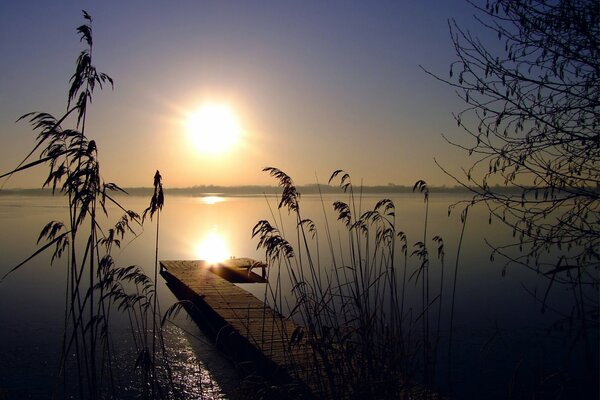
(205, 190)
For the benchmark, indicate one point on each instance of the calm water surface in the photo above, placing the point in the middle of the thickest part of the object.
(503, 342)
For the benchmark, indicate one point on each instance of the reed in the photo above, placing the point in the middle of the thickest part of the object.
(350, 299)
(95, 286)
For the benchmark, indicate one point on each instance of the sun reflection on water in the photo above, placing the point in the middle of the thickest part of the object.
(188, 372)
(210, 200)
(213, 248)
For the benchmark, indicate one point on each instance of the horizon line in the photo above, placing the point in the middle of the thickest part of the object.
(211, 189)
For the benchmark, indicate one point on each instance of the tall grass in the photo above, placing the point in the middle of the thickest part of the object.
(95, 287)
(350, 299)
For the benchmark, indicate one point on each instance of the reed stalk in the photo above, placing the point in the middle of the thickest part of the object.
(350, 304)
(463, 219)
(94, 284)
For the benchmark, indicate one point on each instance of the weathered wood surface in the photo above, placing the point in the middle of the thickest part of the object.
(246, 329)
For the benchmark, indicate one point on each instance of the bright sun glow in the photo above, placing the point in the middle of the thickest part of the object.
(210, 200)
(213, 248)
(213, 128)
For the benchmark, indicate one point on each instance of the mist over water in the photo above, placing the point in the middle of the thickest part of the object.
(499, 330)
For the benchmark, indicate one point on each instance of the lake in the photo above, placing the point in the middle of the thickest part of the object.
(503, 344)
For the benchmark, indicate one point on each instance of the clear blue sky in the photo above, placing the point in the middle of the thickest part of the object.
(315, 86)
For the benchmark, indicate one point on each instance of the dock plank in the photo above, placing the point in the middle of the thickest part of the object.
(250, 328)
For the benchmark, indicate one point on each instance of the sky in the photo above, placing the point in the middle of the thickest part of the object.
(314, 86)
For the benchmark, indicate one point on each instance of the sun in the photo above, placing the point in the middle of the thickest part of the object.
(213, 128)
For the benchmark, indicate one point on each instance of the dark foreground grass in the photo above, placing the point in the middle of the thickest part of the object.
(350, 285)
(348, 295)
(95, 286)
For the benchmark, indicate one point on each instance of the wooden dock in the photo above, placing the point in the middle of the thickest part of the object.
(255, 337)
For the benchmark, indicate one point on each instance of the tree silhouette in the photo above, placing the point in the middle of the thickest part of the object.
(533, 117)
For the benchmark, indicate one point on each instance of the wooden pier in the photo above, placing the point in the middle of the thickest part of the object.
(255, 337)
